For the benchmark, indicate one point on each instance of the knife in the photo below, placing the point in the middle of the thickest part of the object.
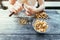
(11, 14)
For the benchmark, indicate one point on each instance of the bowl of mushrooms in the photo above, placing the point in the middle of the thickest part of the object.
(40, 26)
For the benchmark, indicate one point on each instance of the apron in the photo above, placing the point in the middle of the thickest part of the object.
(31, 2)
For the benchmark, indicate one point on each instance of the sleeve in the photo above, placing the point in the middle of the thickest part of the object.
(40, 8)
(36, 4)
(16, 6)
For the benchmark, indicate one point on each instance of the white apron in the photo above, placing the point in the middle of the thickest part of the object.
(31, 2)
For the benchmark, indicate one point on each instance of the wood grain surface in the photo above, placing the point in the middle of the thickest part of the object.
(10, 29)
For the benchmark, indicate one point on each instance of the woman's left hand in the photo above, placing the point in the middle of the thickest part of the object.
(30, 11)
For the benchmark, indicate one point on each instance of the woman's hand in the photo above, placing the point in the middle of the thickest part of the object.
(29, 10)
(17, 7)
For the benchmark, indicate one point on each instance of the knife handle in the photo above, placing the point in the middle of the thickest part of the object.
(11, 14)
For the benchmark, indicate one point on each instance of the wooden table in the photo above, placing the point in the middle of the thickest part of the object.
(10, 29)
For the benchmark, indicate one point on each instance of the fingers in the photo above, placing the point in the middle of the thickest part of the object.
(16, 8)
(20, 9)
(28, 14)
(12, 12)
(15, 11)
(29, 9)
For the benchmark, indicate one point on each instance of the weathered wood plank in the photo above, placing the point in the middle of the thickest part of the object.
(29, 37)
(10, 29)
(10, 25)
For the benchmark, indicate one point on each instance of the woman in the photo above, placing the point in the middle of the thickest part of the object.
(30, 9)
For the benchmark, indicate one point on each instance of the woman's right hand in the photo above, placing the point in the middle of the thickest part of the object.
(13, 11)
(17, 7)
(16, 10)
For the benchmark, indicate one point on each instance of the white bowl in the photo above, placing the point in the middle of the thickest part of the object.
(38, 31)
